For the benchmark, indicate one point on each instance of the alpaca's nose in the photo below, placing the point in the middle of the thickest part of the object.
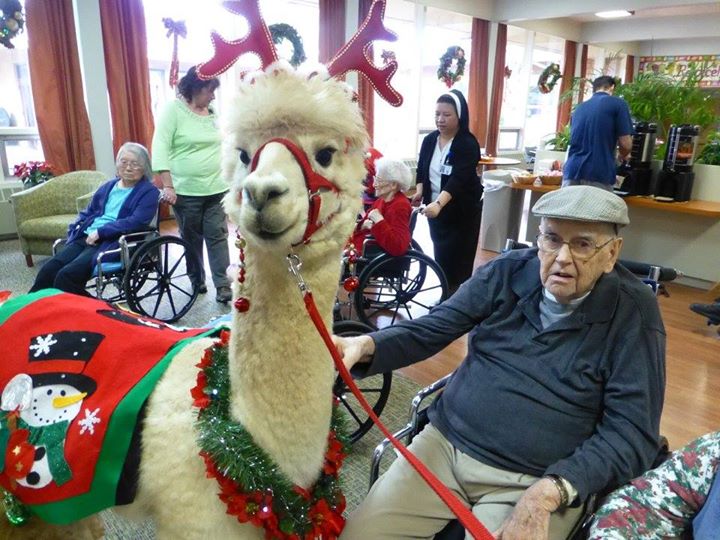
(258, 194)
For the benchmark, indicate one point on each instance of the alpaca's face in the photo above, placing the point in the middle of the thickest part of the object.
(270, 202)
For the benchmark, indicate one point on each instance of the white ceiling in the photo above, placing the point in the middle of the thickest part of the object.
(574, 19)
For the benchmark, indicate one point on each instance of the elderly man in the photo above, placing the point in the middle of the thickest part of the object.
(560, 393)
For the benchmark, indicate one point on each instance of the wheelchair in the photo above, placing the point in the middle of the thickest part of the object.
(654, 276)
(151, 275)
(385, 289)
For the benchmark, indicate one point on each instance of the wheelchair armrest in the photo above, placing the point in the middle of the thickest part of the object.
(422, 395)
(418, 418)
(650, 271)
(57, 244)
(379, 452)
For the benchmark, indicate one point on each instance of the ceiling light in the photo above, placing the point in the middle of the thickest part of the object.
(614, 14)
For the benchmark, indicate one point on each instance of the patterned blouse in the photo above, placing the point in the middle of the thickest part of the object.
(663, 502)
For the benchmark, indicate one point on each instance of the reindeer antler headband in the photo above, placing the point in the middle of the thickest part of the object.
(354, 56)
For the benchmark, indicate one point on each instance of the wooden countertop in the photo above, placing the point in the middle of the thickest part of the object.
(697, 208)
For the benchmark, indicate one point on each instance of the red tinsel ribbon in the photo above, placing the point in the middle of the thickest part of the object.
(466, 517)
(174, 29)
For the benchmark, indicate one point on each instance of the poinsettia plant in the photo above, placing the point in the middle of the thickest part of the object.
(33, 173)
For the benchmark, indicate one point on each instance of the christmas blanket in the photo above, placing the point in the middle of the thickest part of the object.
(74, 375)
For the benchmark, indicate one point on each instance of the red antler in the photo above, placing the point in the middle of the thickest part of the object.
(354, 55)
(258, 41)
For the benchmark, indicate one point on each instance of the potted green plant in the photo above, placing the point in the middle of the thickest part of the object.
(710, 154)
(667, 100)
(560, 141)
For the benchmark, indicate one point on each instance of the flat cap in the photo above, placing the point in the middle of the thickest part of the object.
(583, 203)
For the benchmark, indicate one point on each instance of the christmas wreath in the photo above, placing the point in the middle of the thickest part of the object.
(548, 78)
(251, 485)
(11, 21)
(444, 72)
(282, 31)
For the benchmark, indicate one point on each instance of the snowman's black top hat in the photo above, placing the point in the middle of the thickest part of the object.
(61, 358)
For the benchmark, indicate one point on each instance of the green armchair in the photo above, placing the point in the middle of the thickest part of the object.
(44, 212)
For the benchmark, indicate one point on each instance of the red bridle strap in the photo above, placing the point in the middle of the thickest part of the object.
(313, 181)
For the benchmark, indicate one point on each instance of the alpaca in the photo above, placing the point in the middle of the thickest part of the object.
(280, 372)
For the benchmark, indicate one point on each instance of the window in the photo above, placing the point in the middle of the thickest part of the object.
(196, 47)
(424, 34)
(19, 139)
(527, 114)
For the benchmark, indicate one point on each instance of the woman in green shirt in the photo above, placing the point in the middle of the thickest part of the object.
(186, 154)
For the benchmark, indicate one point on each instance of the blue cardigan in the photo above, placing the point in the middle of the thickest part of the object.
(136, 213)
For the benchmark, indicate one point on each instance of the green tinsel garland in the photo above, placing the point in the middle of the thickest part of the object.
(233, 454)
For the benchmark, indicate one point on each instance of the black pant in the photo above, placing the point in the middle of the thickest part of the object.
(454, 246)
(69, 270)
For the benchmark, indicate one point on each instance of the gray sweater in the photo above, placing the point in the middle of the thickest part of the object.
(581, 398)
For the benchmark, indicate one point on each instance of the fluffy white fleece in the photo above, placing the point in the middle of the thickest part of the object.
(281, 372)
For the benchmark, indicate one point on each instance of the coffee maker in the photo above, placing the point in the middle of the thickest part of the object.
(637, 169)
(675, 180)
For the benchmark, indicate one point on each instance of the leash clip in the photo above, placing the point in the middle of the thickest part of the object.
(294, 266)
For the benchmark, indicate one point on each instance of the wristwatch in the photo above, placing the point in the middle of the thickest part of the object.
(559, 484)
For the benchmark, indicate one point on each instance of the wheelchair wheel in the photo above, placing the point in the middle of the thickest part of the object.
(157, 283)
(375, 389)
(399, 288)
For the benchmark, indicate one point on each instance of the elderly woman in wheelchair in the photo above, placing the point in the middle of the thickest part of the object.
(388, 219)
(560, 393)
(386, 274)
(125, 204)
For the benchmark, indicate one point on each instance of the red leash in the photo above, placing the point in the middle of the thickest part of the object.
(466, 517)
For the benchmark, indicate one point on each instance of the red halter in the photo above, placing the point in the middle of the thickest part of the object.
(313, 181)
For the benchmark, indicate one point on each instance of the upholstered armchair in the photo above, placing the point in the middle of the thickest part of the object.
(43, 212)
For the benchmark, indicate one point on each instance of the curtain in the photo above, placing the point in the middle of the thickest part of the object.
(629, 68)
(126, 66)
(366, 93)
(478, 74)
(332, 28)
(57, 87)
(568, 74)
(493, 130)
(583, 70)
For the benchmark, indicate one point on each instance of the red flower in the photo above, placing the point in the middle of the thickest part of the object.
(206, 360)
(334, 456)
(327, 523)
(200, 398)
(224, 337)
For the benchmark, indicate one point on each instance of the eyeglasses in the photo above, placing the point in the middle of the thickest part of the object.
(581, 248)
(129, 164)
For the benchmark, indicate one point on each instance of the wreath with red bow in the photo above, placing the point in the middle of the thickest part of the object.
(444, 72)
(548, 78)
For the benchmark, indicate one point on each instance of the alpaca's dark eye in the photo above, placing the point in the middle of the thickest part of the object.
(324, 156)
(244, 156)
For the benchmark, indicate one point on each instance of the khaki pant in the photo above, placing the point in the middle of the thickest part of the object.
(401, 505)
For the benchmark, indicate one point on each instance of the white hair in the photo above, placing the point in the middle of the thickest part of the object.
(393, 170)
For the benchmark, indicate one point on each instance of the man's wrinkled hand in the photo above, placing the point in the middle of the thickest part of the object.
(354, 349)
(530, 520)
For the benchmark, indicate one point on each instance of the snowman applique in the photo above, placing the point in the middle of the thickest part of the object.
(39, 405)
